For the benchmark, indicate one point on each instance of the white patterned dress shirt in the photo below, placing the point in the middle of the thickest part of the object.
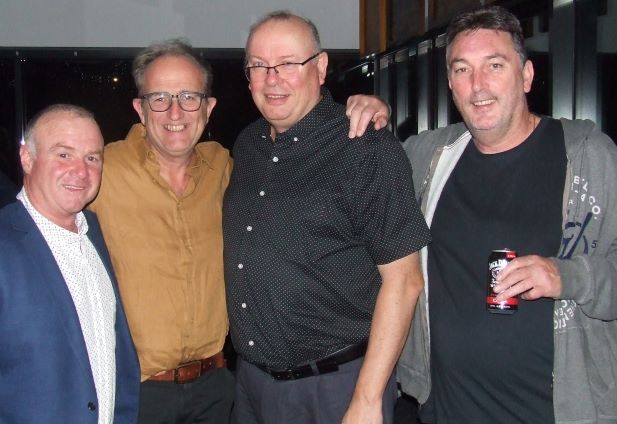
(90, 287)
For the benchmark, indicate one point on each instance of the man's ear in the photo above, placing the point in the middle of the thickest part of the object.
(138, 106)
(322, 66)
(26, 158)
(527, 76)
(210, 103)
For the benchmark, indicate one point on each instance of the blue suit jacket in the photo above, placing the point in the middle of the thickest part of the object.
(45, 374)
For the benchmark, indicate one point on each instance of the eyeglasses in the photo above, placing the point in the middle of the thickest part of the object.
(189, 101)
(283, 70)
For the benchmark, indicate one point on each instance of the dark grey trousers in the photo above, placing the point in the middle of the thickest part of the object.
(320, 399)
(208, 399)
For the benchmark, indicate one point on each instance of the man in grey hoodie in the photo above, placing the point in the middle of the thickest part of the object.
(543, 187)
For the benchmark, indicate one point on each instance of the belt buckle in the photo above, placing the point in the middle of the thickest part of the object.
(186, 369)
(285, 375)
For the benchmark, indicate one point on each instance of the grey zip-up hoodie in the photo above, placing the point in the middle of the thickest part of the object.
(585, 318)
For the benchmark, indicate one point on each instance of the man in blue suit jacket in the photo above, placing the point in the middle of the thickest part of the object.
(66, 355)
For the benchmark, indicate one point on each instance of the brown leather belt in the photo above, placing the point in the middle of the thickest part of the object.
(190, 371)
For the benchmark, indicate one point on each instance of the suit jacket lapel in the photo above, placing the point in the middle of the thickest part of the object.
(46, 268)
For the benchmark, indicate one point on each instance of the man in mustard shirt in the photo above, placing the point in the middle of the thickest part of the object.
(160, 208)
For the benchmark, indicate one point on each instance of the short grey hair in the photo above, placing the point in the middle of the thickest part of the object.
(30, 132)
(285, 15)
(179, 47)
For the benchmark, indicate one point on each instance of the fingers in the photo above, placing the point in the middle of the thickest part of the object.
(362, 110)
(380, 120)
(531, 277)
(361, 119)
(352, 103)
(523, 288)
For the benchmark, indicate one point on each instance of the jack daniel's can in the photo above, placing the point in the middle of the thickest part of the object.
(497, 261)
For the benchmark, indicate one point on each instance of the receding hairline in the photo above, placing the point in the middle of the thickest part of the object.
(176, 56)
(176, 47)
(49, 117)
(285, 16)
(45, 114)
(63, 114)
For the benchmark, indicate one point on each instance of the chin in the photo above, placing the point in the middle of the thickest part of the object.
(483, 124)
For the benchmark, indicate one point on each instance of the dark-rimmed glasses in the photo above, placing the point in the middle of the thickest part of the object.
(283, 70)
(189, 101)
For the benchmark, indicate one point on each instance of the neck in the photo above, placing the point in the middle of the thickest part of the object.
(492, 141)
(65, 221)
(174, 172)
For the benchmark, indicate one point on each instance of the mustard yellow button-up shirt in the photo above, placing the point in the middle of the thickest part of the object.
(167, 251)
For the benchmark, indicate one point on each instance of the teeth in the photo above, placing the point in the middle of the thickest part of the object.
(484, 102)
(174, 128)
(274, 96)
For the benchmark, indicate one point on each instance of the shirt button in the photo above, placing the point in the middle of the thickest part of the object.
(240, 266)
(251, 343)
(295, 138)
(243, 305)
(275, 159)
(91, 406)
(262, 193)
(249, 228)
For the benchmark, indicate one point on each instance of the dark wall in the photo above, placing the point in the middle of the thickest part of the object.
(101, 81)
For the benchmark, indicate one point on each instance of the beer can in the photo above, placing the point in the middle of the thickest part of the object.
(497, 260)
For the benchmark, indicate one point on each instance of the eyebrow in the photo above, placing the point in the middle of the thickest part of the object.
(61, 146)
(288, 57)
(489, 57)
(67, 147)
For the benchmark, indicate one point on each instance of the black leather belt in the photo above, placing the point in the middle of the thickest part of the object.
(324, 365)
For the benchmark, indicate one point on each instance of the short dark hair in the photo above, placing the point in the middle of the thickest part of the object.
(493, 17)
(173, 47)
(29, 133)
(285, 15)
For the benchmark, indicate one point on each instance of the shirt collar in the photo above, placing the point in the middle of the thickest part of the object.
(307, 125)
(42, 222)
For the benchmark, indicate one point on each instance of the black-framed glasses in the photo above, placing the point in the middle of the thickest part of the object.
(283, 70)
(189, 101)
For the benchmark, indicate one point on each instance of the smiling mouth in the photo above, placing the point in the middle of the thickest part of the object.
(74, 188)
(174, 128)
(275, 96)
(484, 102)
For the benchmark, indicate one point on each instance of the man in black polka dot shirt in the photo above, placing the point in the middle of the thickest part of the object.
(321, 241)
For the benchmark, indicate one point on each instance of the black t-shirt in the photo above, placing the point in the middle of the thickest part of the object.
(486, 367)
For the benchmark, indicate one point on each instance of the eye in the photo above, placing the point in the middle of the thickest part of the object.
(158, 98)
(459, 69)
(288, 66)
(93, 158)
(496, 65)
(63, 155)
(188, 96)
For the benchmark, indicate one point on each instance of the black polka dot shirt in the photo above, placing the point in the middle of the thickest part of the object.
(307, 219)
